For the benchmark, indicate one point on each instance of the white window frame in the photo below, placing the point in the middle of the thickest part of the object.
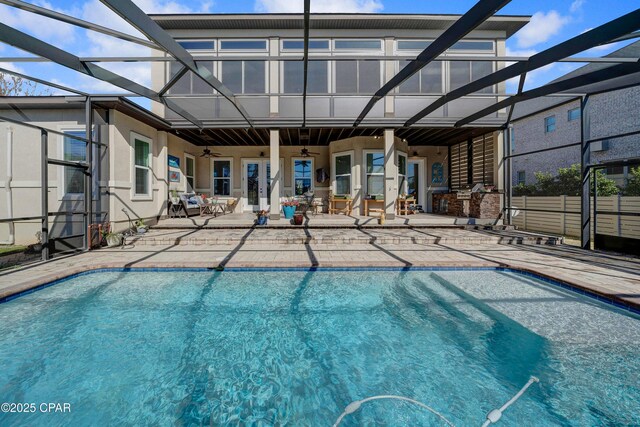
(569, 119)
(132, 146)
(297, 51)
(358, 39)
(218, 67)
(364, 170)
(546, 125)
(406, 167)
(352, 54)
(201, 51)
(213, 179)
(220, 49)
(293, 174)
(186, 182)
(334, 186)
(62, 191)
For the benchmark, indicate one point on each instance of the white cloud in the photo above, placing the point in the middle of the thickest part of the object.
(542, 27)
(50, 30)
(103, 45)
(334, 6)
(576, 6)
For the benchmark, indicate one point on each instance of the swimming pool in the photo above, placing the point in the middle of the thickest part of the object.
(296, 347)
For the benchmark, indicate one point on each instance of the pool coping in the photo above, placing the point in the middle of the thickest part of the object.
(35, 285)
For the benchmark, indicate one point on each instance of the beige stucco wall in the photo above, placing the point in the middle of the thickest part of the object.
(121, 135)
(25, 181)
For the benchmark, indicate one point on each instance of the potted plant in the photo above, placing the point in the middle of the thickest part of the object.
(113, 239)
(141, 227)
(175, 200)
(262, 217)
(298, 219)
(289, 207)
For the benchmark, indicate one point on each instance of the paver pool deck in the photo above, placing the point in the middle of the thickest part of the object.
(612, 276)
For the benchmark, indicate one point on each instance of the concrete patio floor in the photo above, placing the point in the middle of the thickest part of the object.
(612, 276)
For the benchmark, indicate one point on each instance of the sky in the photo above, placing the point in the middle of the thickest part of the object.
(552, 22)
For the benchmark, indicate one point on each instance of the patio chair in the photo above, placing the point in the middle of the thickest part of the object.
(230, 207)
(190, 203)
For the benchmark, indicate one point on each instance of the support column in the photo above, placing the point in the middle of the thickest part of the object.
(88, 177)
(162, 173)
(276, 175)
(502, 174)
(390, 174)
(585, 196)
(44, 192)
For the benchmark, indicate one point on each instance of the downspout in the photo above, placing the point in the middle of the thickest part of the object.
(7, 187)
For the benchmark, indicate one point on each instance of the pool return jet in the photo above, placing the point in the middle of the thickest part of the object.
(492, 417)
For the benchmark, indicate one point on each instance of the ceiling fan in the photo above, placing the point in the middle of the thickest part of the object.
(206, 153)
(306, 153)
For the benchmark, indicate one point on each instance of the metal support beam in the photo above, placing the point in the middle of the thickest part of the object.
(132, 14)
(43, 82)
(506, 173)
(305, 66)
(463, 26)
(585, 160)
(599, 35)
(88, 176)
(31, 44)
(559, 86)
(44, 193)
(173, 80)
(77, 22)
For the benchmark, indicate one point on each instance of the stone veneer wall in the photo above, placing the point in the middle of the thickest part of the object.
(481, 205)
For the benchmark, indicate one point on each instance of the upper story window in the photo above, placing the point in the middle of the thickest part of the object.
(198, 44)
(299, 44)
(464, 72)
(549, 124)
(472, 45)
(362, 44)
(522, 177)
(243, 45)
(573, 114)
(293, 76)
(413, 44)
(427, 80)
(357, 76)
(244, 76)
(190, 83)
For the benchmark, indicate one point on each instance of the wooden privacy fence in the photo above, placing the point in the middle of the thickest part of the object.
(533, 216)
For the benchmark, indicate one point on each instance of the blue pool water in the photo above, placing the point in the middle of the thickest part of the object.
(294, 348)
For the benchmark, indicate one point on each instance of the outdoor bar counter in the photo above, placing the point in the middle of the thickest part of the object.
(470, 205)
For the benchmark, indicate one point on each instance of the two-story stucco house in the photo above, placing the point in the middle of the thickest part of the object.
(278, 146)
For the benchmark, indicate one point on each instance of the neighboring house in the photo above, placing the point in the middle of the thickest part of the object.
(554, 121)
(150, 153)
